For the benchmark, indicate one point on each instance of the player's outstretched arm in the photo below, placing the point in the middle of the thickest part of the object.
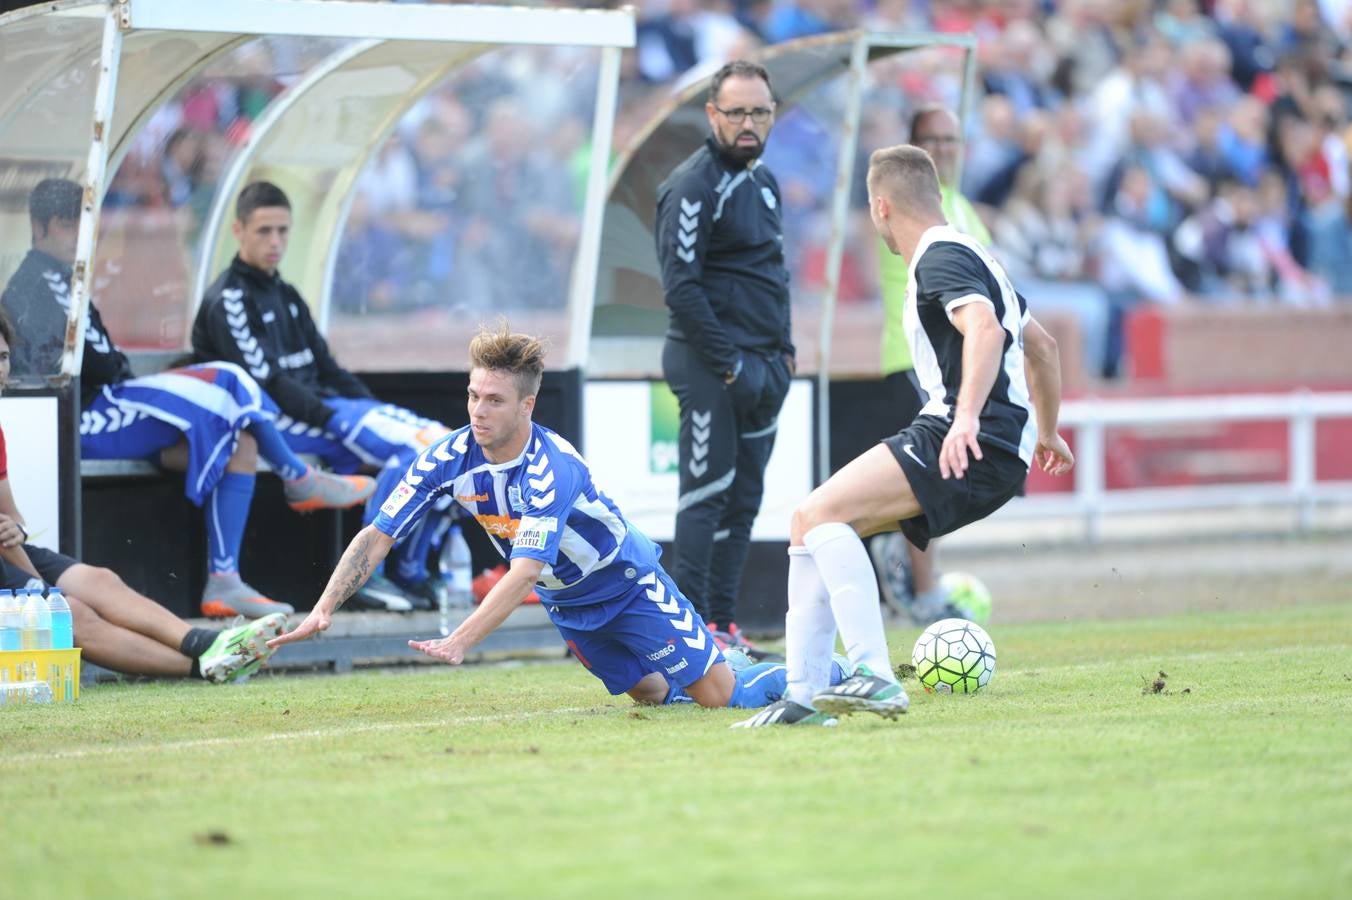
(1042, 365)
(509, 593)
(983, 344)
(360, 559)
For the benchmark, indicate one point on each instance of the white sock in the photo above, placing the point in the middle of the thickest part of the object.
(810, 630)
(845, 568)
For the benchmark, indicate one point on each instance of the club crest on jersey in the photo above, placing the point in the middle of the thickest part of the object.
(514, 498)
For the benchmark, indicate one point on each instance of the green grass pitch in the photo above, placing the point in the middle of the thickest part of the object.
(1071, 776)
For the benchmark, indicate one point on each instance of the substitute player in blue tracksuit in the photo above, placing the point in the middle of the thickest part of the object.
(253, 318)
(598, 576)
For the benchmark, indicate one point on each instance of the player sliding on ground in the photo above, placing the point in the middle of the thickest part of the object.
(978, 355)
(597, 575)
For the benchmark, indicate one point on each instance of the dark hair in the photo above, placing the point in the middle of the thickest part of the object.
(6, 329)
(924, 111)
(55, 198)
(257, 195)
(738, 68)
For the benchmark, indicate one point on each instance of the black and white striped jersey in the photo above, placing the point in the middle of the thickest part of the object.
(949, 270)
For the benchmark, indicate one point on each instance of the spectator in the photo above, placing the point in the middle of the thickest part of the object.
(1322, 217)
(1175, 189)
(804, 18)
(1017, 66)
(1045, 236)
(1182, 23)
(995, 146)
(1080, 31)
(1208, 157)
(520, 216)
(665, 45)
(1251, 55)
(369, 274)
(1203, 80)
(1304, 33)
(184, 154)
(1134, 261)
(1242, 139)
(1222, 254)
(1135, 88)
(1296, 285)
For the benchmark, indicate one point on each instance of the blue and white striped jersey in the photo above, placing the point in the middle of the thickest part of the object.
(542, 505)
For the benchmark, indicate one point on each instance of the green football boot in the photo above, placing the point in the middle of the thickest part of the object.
(863, 692)
(240, 651)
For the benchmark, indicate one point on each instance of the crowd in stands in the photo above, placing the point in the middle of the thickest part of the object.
(1122, 152)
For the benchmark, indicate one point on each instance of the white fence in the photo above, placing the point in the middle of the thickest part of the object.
(1090, 419)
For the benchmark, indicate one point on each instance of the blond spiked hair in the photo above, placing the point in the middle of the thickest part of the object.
(502, 350)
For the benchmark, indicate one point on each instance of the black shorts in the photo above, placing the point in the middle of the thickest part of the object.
(947, 504)
(50, 565)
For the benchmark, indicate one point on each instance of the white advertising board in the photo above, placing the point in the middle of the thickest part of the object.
(34, 465)
(630, 429)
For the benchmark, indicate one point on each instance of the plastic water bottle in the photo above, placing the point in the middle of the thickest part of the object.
(25, 692)
(9, 622)
(63, 630)
(28, 689)
(456, 574)
(37, 622)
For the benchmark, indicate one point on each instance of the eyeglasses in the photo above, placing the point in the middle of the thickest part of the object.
(941, 140)
(760, 114)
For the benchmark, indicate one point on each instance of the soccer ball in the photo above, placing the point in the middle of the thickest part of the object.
(968, 595)
(954, 656)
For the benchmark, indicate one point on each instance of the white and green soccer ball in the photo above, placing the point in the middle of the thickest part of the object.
(954, 656)
(968, 595)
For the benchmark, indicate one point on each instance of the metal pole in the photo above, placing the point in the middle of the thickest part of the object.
(72, 357)
(95, 170)
(840, 211)
(582, 295)
(1089, 477)
(965, 105)
(1301, 448)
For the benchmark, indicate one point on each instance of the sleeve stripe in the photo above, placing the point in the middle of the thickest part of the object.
(951, 306)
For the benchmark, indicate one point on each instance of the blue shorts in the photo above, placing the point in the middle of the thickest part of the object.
(654, 630)
(206, 405)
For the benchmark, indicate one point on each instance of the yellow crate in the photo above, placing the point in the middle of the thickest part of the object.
(59, 668)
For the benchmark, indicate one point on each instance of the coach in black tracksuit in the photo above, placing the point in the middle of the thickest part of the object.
(729, 352)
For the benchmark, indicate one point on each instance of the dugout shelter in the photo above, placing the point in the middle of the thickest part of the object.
(97, 91)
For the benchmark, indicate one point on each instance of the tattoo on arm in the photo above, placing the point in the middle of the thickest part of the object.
(353, 569)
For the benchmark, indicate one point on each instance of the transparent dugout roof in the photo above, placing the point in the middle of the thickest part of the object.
(313, 95)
